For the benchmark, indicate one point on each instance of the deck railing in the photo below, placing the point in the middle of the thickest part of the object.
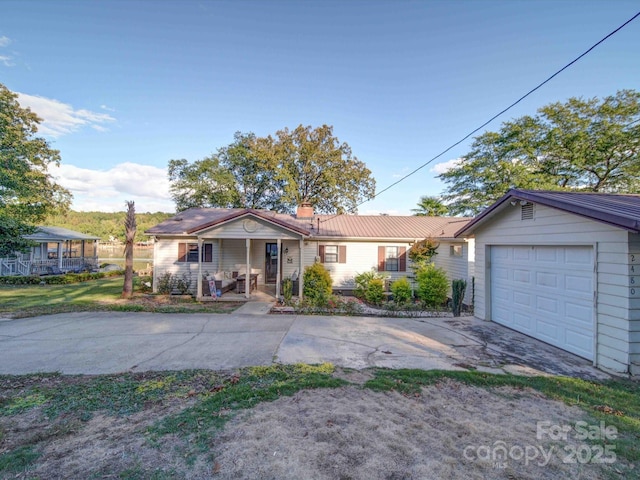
(17, 266)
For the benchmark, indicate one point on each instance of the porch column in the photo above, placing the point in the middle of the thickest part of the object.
(60, 255)
(278, 273)
(199, 281)
(219, 269)
(247, 276)
(300, 270)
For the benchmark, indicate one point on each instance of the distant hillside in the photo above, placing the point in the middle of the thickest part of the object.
(106, 225)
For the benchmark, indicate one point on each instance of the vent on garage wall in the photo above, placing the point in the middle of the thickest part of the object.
(526, 211)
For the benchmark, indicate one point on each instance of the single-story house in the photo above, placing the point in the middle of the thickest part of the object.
(563, 267)
(224, 243)
(55, 250)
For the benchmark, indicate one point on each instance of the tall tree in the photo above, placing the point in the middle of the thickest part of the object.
(130, 236)
(276, 173)
(585, 145)
(430, 207)
(316, 168)
(251, 162)
(27, 191)
(204, 183)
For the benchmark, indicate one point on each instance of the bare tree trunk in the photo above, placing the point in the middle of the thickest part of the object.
(130, 235)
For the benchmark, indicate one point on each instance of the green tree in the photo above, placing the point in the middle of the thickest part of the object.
(430, 207)
(251, 162)
(275, 173)
(316, 168)
(27, 191)
(585, 145)
(204, 183)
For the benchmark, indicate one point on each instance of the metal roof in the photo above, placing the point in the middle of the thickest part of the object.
(320, 226)
(58, 234)
(618, 210)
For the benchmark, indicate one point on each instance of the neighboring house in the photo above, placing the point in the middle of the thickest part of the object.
(56, 250)
(563, 267)
(204, 241)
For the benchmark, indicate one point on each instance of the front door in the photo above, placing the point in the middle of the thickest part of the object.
(271, 263)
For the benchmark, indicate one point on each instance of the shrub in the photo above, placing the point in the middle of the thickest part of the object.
(57, 279)
(401, 290)
(375, 291)
(457, 295)
(287, 290)
(317, 284)
(166, 282)
(183, 284)
(432, 285)
(422, 252)
(362, 282)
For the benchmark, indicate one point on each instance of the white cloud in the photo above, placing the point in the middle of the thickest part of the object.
(6, 60)
(108, 109)
(106, 191)
(446, 166)
(60, 118)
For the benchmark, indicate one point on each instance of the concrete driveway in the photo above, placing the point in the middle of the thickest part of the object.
(111, 342)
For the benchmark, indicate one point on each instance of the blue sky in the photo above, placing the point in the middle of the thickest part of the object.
(125, 86)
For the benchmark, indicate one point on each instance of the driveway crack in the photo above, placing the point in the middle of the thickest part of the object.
(162, 352)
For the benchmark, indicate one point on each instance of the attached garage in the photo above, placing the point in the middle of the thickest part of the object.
(561, 267)
(545, 292)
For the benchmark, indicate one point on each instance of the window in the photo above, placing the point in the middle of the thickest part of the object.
(392, 259)
(455, 250)
(332, 253)
(188, 252)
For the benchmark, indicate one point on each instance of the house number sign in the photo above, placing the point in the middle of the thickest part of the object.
(634, 275)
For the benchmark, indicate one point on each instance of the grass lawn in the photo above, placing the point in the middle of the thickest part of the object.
(18, 301)
(172, 424)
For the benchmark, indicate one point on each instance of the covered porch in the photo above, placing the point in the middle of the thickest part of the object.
(248, 256)
(55, 250)
(246, 268)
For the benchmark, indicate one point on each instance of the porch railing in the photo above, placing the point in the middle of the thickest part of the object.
(16, 266)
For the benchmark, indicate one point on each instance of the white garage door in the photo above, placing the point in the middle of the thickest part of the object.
(545, 292)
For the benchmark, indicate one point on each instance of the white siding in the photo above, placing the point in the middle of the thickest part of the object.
(165, 259)
(456, 267)
(553, 227)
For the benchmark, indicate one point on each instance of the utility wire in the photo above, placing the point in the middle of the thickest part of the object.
(413, 172)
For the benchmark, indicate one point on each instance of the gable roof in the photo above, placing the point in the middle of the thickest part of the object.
(57, 234)
(195, 220)
(618, 210)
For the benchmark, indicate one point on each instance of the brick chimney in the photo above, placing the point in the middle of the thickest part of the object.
(305, 211)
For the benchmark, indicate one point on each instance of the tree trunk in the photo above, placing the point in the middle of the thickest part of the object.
(130, 235)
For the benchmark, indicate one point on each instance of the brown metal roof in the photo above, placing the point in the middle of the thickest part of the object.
(321, 226)
(618, 210)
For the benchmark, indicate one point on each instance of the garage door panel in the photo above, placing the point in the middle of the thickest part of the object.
(547, 279)
(522, 254)
(522, 299)
(580, 342)
(523, 322)
(502, 316)
(579, 257)
(547, 331)
(547, 305)
(579, 314)
(522, 277)
(580, 285)
(545, 292)
(546, 255)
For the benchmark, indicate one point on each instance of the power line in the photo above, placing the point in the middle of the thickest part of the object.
(413, 172)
